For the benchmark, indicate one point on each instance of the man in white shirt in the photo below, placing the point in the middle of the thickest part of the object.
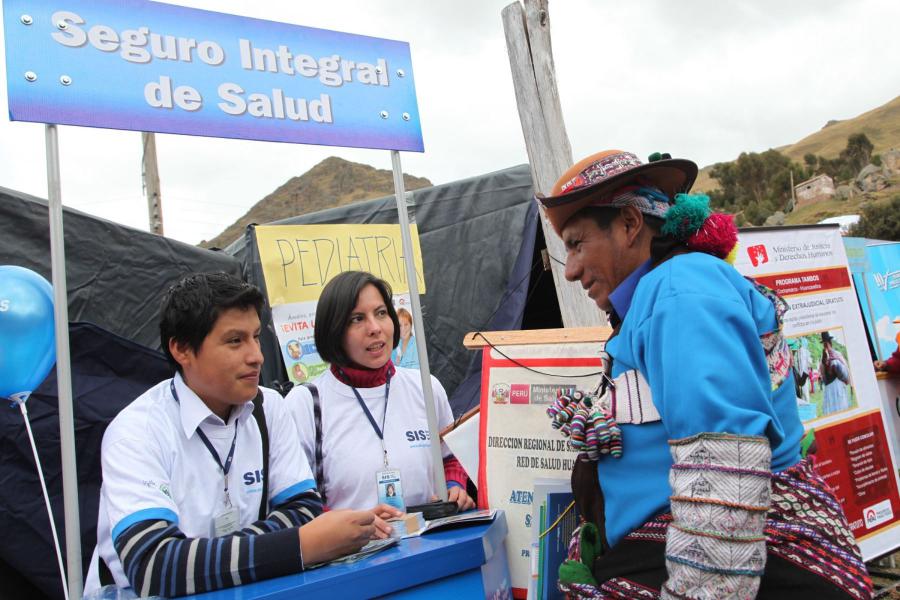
(191, 501)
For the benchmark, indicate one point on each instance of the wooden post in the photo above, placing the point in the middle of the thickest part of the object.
(549, 153)
(793, 197)
(151, 183)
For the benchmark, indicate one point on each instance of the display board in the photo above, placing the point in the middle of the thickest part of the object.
(150, 66)
(837, 394)
(298, 260)
(878, 287)
(517, 443)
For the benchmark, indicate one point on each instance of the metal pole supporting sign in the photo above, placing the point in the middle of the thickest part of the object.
(63, 367)
(440, 483)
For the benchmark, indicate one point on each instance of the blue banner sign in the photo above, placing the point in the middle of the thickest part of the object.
(883, 285)
(147, 66)
(857, 259)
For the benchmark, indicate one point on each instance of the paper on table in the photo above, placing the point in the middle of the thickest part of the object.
(469, 517)
(373, 547)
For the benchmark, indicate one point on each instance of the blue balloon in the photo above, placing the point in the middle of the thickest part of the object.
(27, 340)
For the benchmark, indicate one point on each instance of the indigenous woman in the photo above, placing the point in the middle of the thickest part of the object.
(692, 479)
(371, 443)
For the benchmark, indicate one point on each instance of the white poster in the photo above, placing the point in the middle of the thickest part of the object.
(837, 395)
(517, 442)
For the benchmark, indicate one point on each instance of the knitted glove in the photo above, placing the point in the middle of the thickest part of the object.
(716, 548)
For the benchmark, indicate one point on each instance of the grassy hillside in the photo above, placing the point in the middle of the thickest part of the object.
(332, 182)
(881, 126)
(704, 182)
(833, 208)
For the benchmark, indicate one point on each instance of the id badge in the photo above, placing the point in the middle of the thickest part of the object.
(226, 522)
(390, 490)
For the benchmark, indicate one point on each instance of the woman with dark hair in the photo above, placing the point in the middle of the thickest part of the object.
(369, 428)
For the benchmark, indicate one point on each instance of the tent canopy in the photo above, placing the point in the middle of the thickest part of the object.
(115, 275)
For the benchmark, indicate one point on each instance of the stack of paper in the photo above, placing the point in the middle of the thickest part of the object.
(472, 517)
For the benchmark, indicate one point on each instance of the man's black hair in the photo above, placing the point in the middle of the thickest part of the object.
(335, 306)
(191, 307)
(603, 216)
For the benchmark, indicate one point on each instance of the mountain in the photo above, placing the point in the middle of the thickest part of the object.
(332, 182)
(881, 125)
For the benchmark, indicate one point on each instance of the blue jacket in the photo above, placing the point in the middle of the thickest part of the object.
(691, 326)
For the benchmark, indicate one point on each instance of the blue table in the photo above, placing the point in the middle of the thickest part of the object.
(469, 562)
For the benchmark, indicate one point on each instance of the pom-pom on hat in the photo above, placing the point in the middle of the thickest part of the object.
(717, 236)
(591, 181)
(686, 215)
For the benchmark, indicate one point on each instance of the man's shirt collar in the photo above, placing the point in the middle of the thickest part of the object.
(620, 298)
(194, 411)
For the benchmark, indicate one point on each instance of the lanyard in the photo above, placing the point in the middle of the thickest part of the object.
(227, 466)
(379, 431)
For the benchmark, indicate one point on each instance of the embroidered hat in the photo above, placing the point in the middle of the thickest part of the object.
(591, 181)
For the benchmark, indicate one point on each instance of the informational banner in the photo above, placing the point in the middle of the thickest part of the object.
(517, 442)
(837, 395)
(149, 66)
(298, 260)
(878, 287)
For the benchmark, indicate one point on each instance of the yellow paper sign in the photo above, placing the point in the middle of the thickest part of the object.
(298, 260)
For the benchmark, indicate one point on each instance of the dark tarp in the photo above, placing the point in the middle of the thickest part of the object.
(477, 237)
(115, 275)
(108, 372)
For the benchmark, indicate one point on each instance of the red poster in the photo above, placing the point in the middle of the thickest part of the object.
(853, 457)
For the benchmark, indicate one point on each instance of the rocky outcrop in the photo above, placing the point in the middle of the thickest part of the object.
(872, 179)
(844, 192)
(890, 162)
(776, 219)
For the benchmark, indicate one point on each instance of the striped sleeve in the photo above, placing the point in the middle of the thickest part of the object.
(454, 472)
(160, 560)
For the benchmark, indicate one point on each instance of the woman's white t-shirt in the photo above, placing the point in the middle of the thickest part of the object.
(351, 449)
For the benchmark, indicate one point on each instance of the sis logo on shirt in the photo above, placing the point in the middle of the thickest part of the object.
(253, 477)
(418, 438)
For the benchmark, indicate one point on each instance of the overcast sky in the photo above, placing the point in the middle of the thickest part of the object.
(701, 79)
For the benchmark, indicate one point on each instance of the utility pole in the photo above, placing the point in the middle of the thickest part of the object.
(793, 198)
(150, 173)
(527, 29)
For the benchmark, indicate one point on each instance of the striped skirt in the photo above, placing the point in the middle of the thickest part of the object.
(811, 552)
